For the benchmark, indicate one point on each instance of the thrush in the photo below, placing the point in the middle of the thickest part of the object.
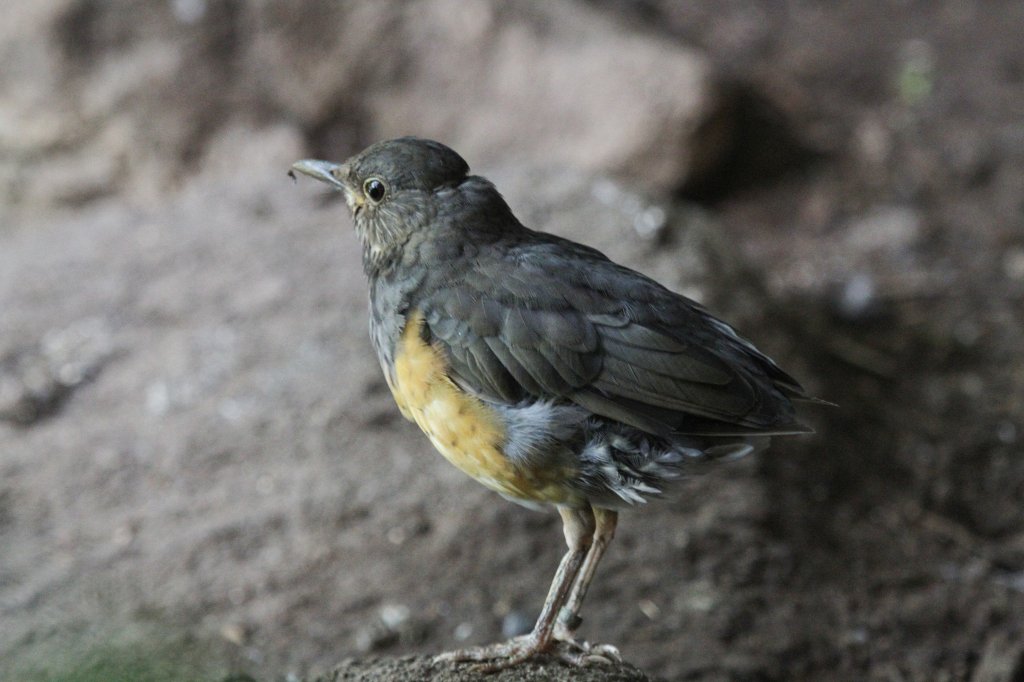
(541, 368)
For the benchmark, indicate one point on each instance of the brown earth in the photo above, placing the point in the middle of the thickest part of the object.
(202, 475)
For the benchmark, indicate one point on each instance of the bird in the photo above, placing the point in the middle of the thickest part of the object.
(541, 368)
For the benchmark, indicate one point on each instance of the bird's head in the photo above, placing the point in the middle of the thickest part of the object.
(393, 188)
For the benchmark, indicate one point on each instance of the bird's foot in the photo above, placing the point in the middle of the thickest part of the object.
(502, 655)
(581, 653)
(494, 657)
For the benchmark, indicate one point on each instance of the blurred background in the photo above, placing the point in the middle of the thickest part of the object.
(202, 473)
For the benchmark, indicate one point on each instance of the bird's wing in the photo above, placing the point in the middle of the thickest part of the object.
(555, 320)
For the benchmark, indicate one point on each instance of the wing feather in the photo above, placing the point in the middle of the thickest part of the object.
(567, 324)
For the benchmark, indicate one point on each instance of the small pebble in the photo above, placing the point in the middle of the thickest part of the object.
(856, 297)
(649, 609)
(1013, 264)
(393, 616)
(188, 11)
(650, 222)
(885, 228)
(515, 623)
(158, 398)
(857, 636)
(463, 631)
(234, 633)
(1006, 432)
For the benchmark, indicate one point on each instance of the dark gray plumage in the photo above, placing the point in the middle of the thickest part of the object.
(602, 386)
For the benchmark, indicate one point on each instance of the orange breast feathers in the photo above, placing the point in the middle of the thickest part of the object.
(468, 432)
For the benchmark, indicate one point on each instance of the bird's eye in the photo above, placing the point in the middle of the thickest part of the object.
(374, 189)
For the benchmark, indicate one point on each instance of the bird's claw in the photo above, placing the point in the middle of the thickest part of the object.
(583, 654)
(494, 657)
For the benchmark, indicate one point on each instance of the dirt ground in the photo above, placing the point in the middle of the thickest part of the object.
(202, 475)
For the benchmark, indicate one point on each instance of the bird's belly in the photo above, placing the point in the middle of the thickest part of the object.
(468, 432)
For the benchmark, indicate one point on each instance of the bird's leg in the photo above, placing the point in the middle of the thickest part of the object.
(568, 616)
(578, 525)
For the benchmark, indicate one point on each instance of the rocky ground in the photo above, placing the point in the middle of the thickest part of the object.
(202, 475)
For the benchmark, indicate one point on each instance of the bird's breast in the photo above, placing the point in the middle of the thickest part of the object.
(467, 431)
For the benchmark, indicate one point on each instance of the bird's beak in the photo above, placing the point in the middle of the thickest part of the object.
(324, 171)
